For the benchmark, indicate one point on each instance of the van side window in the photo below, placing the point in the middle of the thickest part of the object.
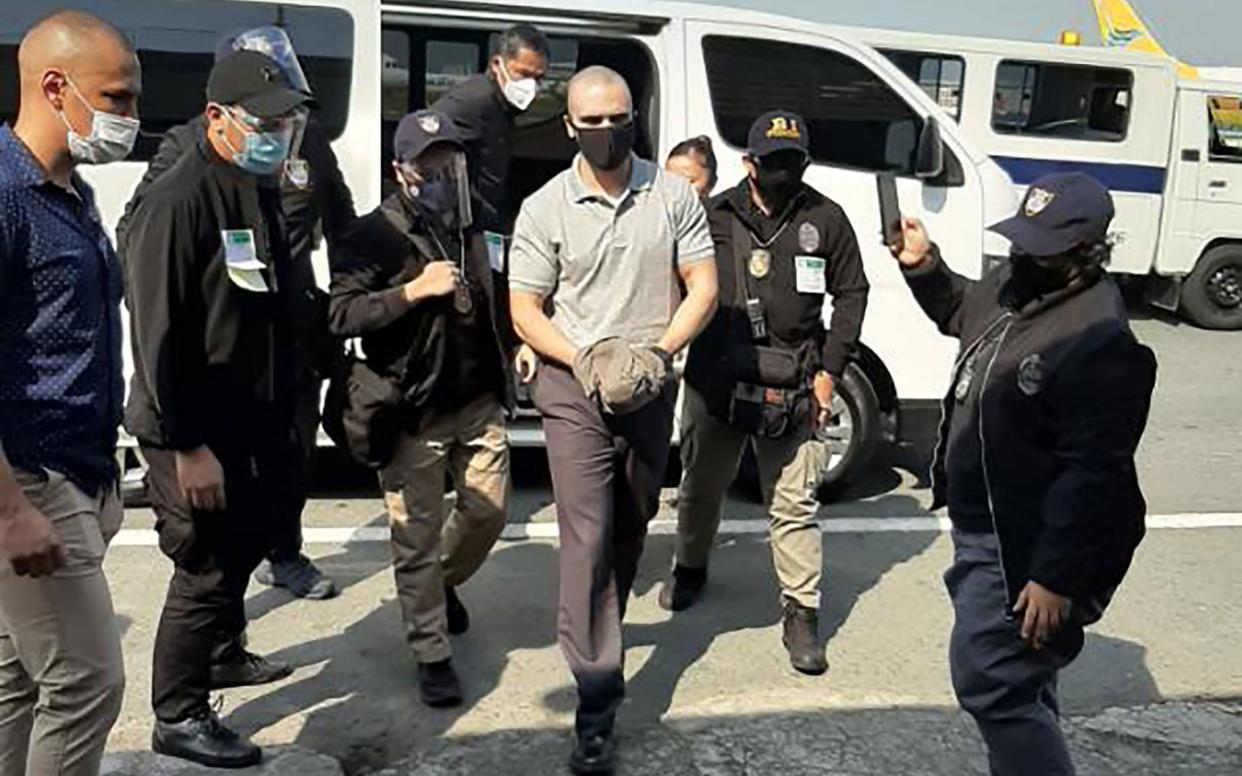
(176, 44)
(1225, 129)
(856, 120)
(940, 75)
(1065, 101)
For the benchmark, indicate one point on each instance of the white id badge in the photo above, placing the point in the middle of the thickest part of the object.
(239, 249)
(810, 274)
(495, 250)
(249, 279)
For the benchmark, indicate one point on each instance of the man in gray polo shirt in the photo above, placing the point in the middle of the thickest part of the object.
(609, 242)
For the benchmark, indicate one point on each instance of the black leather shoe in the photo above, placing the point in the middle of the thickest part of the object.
(438, 685)
(203, 740)
(801, 639)
(595, 755)
(458, 617)
(239, 668)
(682, 589)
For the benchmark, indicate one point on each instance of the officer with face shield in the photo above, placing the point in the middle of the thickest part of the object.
(316, 203)
(413, 280)
(764, 371)
(210, 281)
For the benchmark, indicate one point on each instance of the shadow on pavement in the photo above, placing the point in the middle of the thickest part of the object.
(362, 711)
(742, 594)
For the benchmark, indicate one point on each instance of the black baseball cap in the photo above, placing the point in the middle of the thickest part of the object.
(421, 130)
(778, 130)
(1059, 212)
(256, 83)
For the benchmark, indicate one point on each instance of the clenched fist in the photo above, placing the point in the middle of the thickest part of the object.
(915, 245)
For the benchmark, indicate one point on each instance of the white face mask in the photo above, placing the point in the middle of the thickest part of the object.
(111, 140)
(520, 93)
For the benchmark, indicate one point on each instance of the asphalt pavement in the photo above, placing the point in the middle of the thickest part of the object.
(1158, 688)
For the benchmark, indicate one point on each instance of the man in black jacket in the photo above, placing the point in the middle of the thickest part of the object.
(316, 202)
(1048, 403)
(781, 247)
(211, 289)
(485, 107)
(413, 279)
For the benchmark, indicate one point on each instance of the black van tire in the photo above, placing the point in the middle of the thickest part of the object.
(863, 407)
(1212, 292)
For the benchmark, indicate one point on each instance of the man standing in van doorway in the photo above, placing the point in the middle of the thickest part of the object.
(210, 281)
(485, 109)
(764, 371)
(1035, 462)
(608, 243)
(61, 392)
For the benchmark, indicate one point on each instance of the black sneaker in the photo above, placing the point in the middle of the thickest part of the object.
(456, 614)
(202, 739)
(801, 626)
(438, 685)
(239, 668)
(683, 588)
(299, 576)
(595, 755)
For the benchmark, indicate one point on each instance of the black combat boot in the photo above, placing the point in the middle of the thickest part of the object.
(438, 684)
(801, 627)
(683, 588)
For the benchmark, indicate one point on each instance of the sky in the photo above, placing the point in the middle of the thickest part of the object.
(1199, 32)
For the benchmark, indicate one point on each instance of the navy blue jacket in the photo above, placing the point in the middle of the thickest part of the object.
(1062, 409)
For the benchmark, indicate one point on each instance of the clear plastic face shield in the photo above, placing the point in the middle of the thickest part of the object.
(275, 44)
(438, 183)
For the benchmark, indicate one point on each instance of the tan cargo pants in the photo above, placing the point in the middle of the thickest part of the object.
(61, 673)
(430, 552)
(789, 474)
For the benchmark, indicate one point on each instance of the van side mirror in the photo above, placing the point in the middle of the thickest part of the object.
(929, 159)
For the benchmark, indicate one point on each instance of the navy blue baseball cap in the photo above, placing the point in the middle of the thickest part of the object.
(1060, 212)
(421, 130)
(778, 130)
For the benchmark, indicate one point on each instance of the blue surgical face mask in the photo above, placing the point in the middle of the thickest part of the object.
(264, 152)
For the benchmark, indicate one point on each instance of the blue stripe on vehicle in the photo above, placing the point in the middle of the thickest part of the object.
(1133, 178)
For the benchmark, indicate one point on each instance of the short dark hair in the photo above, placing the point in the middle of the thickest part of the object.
(522, 36)
(701, 148)
(1094, 255)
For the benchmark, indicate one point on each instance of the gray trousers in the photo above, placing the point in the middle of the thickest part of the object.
(1009, 688)
(606, 476)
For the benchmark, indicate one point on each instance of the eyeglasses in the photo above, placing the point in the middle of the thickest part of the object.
(287, 122)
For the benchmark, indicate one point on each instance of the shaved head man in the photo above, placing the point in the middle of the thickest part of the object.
(79, 75)
(610, 243)
(61, 392)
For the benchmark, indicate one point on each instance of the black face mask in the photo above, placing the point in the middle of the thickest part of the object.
(779, 182)
(1031, 279)
(606, 148)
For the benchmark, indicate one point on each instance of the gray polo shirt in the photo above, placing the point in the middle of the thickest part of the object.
(610, 266)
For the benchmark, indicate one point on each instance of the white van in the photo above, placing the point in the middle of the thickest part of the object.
(1170, 149)
(693, 69)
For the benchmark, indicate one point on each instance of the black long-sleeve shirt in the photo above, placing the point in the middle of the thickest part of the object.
(812, 226)
(485, 121)
(214, 357)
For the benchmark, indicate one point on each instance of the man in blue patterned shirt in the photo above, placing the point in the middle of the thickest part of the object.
(61, 392)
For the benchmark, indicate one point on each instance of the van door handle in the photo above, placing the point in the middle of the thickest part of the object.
(1218, 185)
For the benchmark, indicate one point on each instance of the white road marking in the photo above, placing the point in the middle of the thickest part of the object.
(135, 537)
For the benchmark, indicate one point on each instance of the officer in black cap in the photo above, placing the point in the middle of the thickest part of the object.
(211, 290)
(316, 203)
(1035, 462)
(415, 280)
(763, 372)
